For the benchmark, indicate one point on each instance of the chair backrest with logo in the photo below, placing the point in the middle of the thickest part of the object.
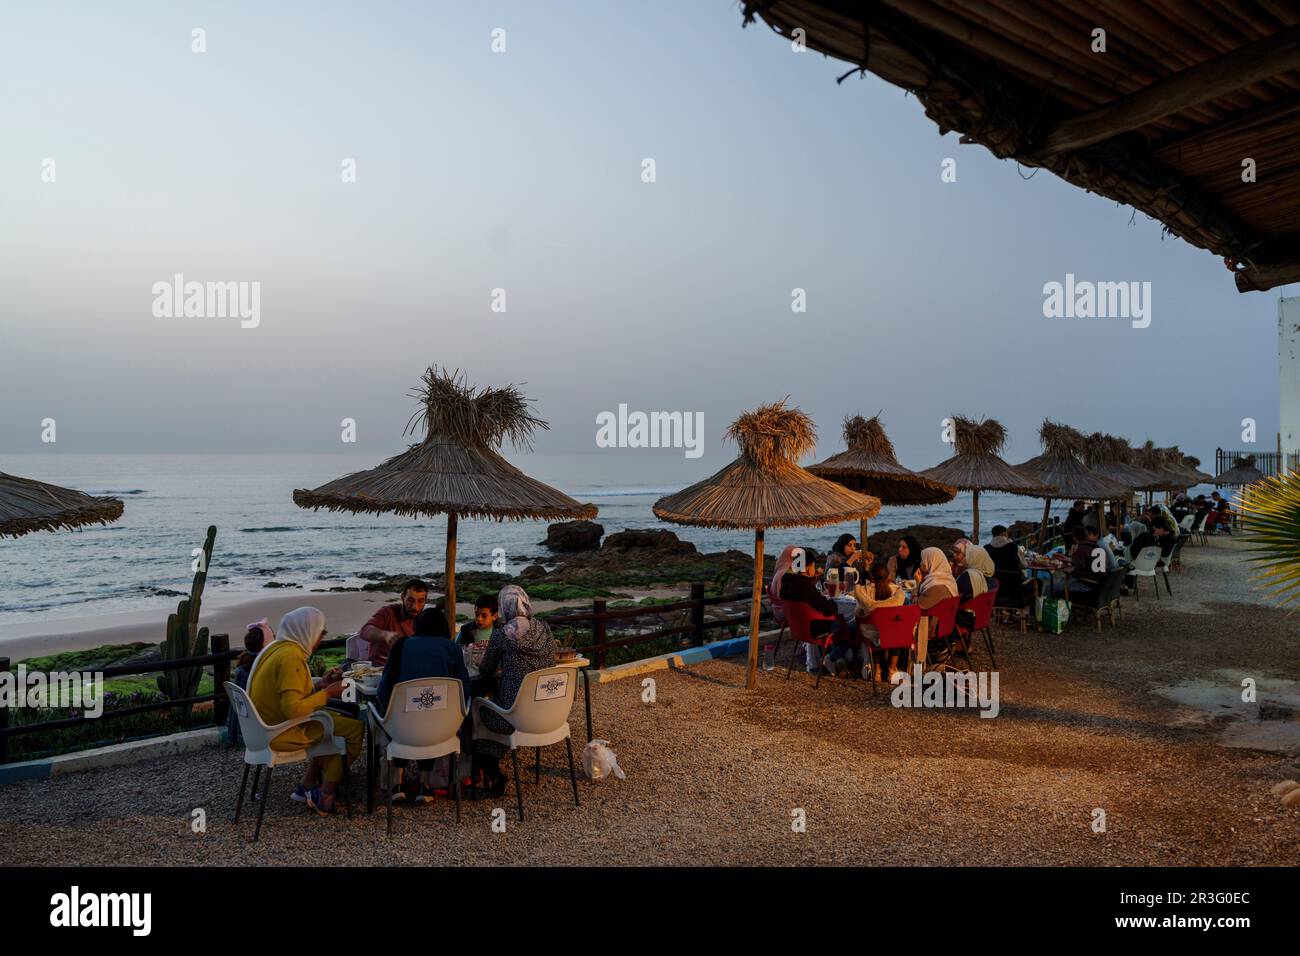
(425, 712)
(895, 625)
(544, 700)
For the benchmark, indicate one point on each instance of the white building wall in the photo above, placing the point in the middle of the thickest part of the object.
(1288, 379)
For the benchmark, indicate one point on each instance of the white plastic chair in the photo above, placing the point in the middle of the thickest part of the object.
(539, 716)
(1187, 522)
(1144, 566)
(1199, 529)
(422, 723)
(356, 649)
(258, 753)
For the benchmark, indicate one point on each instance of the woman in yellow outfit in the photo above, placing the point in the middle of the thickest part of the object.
(281, 688)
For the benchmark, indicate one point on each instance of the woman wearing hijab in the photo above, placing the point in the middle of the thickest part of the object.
(429, 652)
(845, 553)
(936, 580)
(281, 688)
(978, 573)
(782, 565)
(905, 563)
(520, 644)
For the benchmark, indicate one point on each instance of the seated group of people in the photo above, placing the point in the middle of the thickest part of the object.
(1215, 511)
(972, 572)
(411, 642)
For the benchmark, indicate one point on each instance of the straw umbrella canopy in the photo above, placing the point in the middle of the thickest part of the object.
(1156, 460)
(869, 466)
(457, 469)
(27, 505)
(1193, 465)
(976, 467)
(1059, 466)
(1112, 457)
(766, 488)
(1243, 472)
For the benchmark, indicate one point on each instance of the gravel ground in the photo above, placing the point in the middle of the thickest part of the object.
(714, 773)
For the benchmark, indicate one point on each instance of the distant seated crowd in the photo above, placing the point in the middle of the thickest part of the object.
(915, 575)
(928, 576)
(410, 641)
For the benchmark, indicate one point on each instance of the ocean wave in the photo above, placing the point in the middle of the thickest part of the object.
(625, 492)
(133, 491)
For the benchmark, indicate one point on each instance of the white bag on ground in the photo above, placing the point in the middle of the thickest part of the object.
(599, 762)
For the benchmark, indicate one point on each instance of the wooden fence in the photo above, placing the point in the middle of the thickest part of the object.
(597, 618)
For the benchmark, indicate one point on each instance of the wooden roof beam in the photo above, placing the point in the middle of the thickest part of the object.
(1251, 63)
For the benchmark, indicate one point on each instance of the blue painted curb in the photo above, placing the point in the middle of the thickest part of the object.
(27, 770)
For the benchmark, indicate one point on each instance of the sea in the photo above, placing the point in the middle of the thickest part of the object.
(143, 561)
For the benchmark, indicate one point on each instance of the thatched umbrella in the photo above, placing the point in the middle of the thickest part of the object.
(1059, 466)
(766, 488)
(456, 470)
(1193, 465)
(27, 505)
(1112, 457)
(1156, 460)
(870, 467)
(1243, 472)
(976, 467)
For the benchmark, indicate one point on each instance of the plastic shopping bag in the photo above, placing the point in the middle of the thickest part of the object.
(1053, 614)
(599, 762)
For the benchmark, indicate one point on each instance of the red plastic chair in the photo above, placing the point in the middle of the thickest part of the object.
(982, 607)
(799, 618)
(897, 629)
(945, 620)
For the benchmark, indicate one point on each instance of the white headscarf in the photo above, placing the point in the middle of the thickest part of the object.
(516, 612)
(936, 571)
(981, 568)
(301, 626)
(782, 565)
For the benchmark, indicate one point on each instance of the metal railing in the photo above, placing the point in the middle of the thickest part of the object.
(1270, 463)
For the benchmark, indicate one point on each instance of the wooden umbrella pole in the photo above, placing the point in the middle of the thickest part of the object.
(1101, 518)
(751, 676)
(862, 537)
(975, 505)
(449, 573)
(1042, 529)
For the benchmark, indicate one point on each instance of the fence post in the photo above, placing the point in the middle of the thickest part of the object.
(220, 674)
(598, 630)
(4, 718)
(697, 612)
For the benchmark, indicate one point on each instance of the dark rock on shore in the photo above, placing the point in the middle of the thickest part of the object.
(660, 541)
(567, 536)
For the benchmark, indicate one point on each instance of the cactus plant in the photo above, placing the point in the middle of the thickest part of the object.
(184, 637)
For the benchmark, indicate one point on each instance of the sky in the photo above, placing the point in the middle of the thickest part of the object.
(522, 170)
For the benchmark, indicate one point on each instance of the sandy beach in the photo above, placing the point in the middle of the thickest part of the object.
(346, 612)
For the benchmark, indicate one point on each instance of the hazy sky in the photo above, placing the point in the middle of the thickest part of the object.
(522, 170)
